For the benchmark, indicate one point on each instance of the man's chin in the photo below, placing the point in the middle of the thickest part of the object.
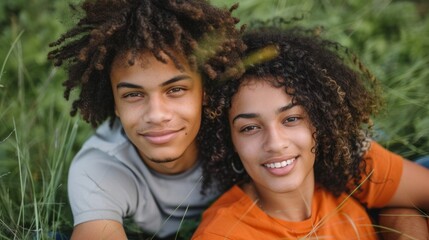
(163, 160)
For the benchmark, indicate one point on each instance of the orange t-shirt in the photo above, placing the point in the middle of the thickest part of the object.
(235, 216)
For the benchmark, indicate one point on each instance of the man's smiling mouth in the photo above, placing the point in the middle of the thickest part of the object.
(160, 137)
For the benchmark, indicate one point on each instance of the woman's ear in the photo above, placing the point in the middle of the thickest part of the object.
(205, 99)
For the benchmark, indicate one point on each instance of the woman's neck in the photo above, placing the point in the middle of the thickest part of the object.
(289, 206)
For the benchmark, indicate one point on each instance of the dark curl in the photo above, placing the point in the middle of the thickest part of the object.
(110, 28)
(339, 96)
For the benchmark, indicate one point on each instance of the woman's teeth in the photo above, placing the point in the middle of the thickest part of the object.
(280, 164)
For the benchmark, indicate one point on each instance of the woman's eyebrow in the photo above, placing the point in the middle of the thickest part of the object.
(245, 115)
(254, 115)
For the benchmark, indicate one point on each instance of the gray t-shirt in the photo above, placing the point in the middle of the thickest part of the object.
(108, 180)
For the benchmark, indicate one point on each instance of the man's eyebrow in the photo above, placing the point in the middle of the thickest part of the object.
(127, 85)
(285, 108)
(169, 81)
(175, 79)
(254, 115)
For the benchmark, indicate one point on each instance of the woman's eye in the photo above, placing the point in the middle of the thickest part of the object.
(248, 128)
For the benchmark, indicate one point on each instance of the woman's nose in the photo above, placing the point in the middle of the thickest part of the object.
(275, 140)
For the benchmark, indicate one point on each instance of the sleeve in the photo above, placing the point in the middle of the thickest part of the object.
(99, 188)
(383, 174)
(209, 236)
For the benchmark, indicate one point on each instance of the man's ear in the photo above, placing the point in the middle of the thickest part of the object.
(116, 111)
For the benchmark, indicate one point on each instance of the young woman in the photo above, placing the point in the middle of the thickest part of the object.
(299, 121)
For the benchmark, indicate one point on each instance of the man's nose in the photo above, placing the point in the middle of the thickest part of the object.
(157, 110)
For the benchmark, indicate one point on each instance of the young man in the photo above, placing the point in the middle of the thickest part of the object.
(142, 65)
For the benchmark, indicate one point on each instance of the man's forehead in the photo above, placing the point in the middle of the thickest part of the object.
(130, 57)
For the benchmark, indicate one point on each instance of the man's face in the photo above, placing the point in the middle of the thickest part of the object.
(160, 109)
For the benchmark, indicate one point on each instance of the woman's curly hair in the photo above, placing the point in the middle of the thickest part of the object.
(340, 97)
(205, 35)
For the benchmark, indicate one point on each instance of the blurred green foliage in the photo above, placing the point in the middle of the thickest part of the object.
(38, 138)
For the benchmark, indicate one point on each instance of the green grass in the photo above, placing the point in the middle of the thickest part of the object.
(38, 138)
(37, 142)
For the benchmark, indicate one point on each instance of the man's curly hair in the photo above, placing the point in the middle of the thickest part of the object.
(339, 96)
(205, 35)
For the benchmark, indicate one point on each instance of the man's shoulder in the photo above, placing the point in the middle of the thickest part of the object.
(107, 148)
(109, 134)
(105, 154)
(107, 140)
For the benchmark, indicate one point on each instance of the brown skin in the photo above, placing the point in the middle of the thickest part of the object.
(88, 49)
(402, 217)
(331, 93)
(100, 229)
(403, 224)
(171, 31)
(269, 133)
(160, 110)
(109, 28)
(308, 69)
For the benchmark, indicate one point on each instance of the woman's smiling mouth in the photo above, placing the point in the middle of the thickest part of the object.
(280, 164)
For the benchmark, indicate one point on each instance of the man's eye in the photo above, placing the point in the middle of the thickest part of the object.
(291, 120)
(132, 95)
(176, 90)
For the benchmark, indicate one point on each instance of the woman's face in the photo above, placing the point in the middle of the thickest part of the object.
(273, 137)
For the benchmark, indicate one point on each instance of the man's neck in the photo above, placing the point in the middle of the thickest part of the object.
(174, 166)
